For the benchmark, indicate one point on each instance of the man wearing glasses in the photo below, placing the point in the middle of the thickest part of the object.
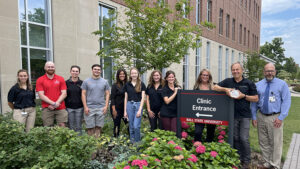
(273, 106)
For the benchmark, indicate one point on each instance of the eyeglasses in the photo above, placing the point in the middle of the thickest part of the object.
(269, 71)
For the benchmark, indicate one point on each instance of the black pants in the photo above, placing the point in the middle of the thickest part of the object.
(153, 121)
(117, 121)
(210, 134)
(241, 139)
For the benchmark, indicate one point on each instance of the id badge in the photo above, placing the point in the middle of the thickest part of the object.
(24, 113)
(272, 99)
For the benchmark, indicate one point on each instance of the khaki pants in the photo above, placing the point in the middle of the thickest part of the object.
(48, 116)
(27, 118)
(270, 139)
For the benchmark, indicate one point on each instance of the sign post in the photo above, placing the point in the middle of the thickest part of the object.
(208, 107)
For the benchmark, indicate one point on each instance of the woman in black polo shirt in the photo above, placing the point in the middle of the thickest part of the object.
(133, 104)
(117, 100)
(204, 82)
(21, 100)
(73, 100)
(168, 111)
(154, 99)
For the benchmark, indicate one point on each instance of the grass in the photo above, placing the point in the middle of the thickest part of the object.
(291, 123)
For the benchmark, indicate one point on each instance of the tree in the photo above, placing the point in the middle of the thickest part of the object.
(254, 66)
(153, 37)
(290, 66)
(274, 51)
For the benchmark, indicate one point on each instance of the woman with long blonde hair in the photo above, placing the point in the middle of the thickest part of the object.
(133, 104)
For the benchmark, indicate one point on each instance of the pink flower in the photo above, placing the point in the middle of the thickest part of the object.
(220, 137)
(200, 149)
(171, 142)
(221, 141)
(154, 139)
(219, 128)
(213, 153)
(223, 133)
(234, 167)
(157, 160)
(178, 148)
(139, 163)
(127, 167)
(184, 134)
(184, 125)
(193, 158)
(197, 143)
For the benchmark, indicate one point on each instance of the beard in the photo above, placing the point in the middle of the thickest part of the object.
(269, 78)
(50, 72)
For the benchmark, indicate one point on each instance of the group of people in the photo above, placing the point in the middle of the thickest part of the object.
(68, 102)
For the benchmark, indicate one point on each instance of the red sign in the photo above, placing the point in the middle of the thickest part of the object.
(205, 121)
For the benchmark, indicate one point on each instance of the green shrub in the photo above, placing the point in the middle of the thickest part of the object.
(296, 88)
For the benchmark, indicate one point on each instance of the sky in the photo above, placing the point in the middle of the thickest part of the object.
(281, 18)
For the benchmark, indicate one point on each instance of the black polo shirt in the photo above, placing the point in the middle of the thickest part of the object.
(21, 98)
(117, 96)
(168, 110)
(132, 94)
(242, 106)
(73, 99)
(155, 98)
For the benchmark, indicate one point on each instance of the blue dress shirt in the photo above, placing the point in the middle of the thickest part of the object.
(282, 103)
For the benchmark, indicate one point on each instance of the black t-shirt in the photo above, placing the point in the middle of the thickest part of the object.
(21, 98)
(155, 98)
(242, 106)
(117, 96)
(132, 94)
(73, 99)
(168, 110)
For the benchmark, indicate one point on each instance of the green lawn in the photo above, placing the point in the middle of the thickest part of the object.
(291, 123)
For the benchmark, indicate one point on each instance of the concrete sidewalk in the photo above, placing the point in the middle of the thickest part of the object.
(293, 93)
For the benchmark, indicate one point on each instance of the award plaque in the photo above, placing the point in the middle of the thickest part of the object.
(234, 93)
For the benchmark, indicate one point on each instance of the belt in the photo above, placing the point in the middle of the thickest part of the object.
(271, 114)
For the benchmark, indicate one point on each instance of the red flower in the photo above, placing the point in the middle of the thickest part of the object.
(223, 133)
(139, 163)
(178, 148)
(221, 141)
(193, 158)
(184, 134)
(154, 139)
(213, 153)
(184, 125)
(197, 143)
(200, 149)
(234, 167)
(220, 137)
(157, 160)
(127, 167)
(171, 142)
(219, 128)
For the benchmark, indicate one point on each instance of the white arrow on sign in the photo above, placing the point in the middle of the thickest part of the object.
(203, 115)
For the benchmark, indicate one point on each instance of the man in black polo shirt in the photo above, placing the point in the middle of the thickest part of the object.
(243, 91)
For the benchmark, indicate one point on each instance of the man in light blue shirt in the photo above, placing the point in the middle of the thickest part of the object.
(271, 109)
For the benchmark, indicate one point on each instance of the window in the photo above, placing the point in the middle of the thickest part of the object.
(246, 3)
(221, 22)
(198, 12)
(184, 6)
(107, 63)
(36, 36)
(185, 76)
(227, 25)
(245, 36)
(249, 6)
(232, 56)
(241, 2)
(198, 59)
(233, 29)
(208, 55)
(248, 39)
(226, 62)
(258, 13)
(220, 64)
(253, 41)
(209, 11)
(240, 57)
(240, 34)
(161, 3)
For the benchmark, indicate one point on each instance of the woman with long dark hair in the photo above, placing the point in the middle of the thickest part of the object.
(168, 111)
(117, 100)
(21, 100)
(154, 99)
(133, 104)
(204, 82)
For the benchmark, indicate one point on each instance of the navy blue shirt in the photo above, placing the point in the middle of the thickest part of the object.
(21, 98)
(155, 98)
(168, 110)
(132, 94)
(241, 106)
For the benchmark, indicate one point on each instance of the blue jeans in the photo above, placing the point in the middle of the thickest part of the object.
(134, 122)
(241, 139)
(75, 119)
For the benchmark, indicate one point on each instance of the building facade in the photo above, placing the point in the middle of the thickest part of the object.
(35, 31)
